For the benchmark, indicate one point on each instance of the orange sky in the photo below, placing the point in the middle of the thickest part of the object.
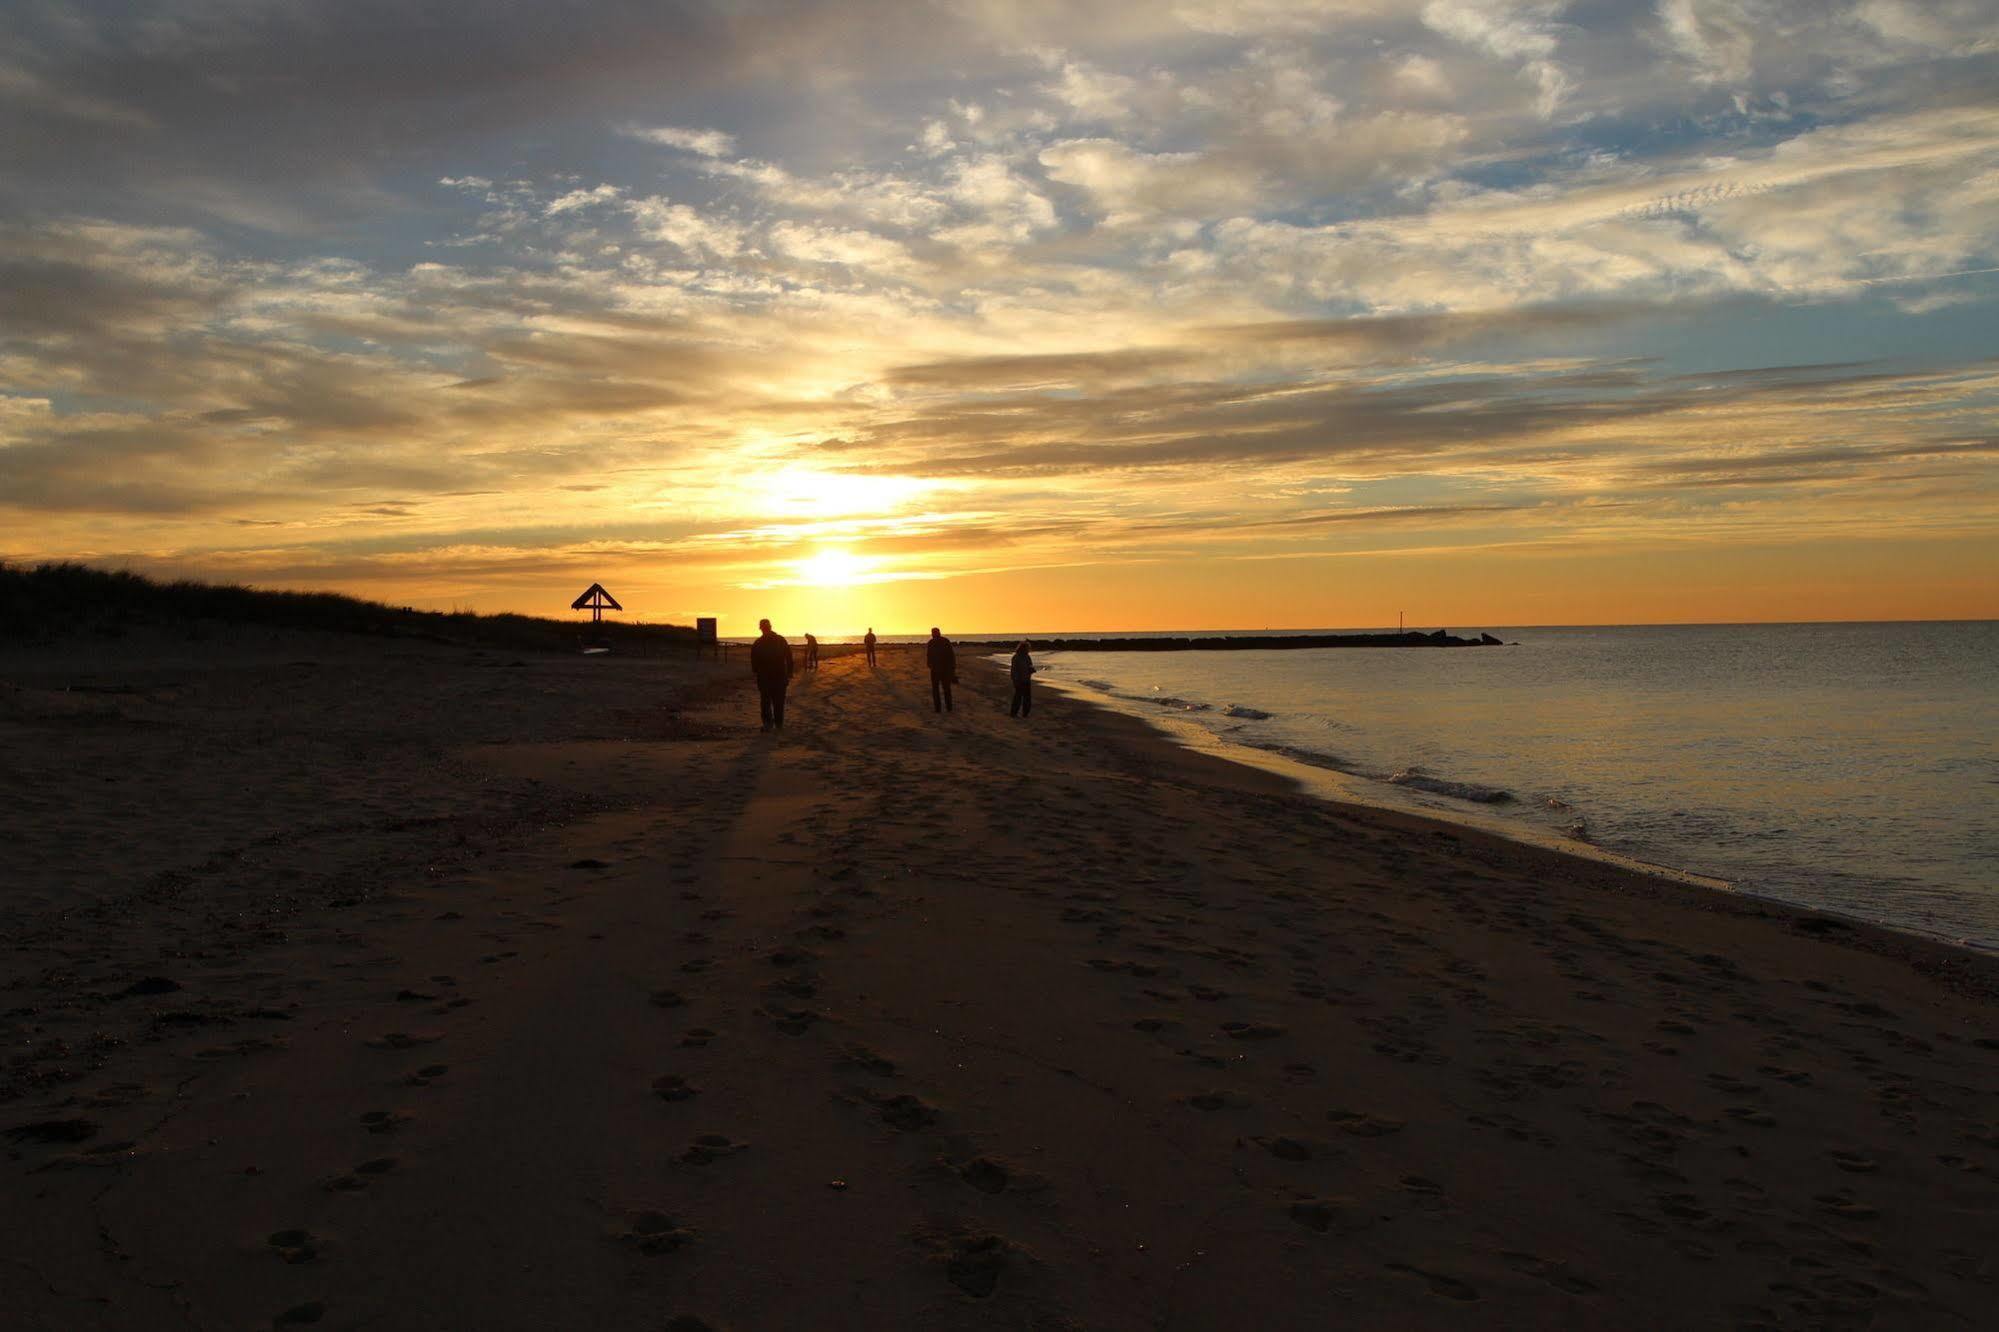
(1216, 314)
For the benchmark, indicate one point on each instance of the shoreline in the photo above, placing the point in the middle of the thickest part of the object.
(1926, 952)
(1339, 787)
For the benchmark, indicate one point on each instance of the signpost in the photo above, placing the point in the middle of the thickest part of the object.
(596, 600)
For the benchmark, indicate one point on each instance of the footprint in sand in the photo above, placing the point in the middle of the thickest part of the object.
(426, 1075)
(1449, 1287)
(697, 1037)
(794, 1022)
(1253, 1031)
(973, 1261)
(294, 1246)
(54, 1130)
(668, 999)
(384, 1121)
(1330, 1214)
(1555, 1274)
(711, 1147)
(907, 1113)
(403, 1040)
(1363, 1125)
(1749, 1114)
(300, 1314)
(985, 1174)
(860, 1056)
(361, 1176)
(1285, 1149)
(673, 1087)
(653, 1233)
(1844, 1204)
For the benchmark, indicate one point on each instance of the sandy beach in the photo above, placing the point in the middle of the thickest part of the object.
(354, 983)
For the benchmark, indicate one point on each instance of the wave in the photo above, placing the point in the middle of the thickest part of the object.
(1179, 704)
(1247, 714)
(1416, 779)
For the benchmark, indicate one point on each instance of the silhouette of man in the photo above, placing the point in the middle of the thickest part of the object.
(811, 653)
(943, 660)
(870, 641)
(1023, 682)
(770, 662)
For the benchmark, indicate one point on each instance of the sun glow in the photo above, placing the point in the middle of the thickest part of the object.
(811, 493)
(832, 567)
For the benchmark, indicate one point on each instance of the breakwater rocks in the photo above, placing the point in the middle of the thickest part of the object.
(1264, 642)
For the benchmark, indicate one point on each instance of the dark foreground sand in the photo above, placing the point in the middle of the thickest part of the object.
(436, 989)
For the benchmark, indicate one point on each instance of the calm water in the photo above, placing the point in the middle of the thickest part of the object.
(1851, 766)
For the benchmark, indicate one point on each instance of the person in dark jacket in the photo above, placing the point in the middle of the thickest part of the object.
(770, 662)
(870, 641)
(811, 653)
(1023, 682)
(943, 660)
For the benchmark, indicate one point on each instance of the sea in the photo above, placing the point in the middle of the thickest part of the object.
(1848, 767)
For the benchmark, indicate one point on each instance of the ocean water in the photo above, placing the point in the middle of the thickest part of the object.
(1847, 766)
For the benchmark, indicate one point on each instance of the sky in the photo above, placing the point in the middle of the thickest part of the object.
(1013, 315)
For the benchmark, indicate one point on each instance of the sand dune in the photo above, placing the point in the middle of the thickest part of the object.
(457, 990)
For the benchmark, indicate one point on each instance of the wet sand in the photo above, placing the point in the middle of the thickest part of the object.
(432, 989)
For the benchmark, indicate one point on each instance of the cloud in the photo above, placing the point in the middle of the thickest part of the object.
(1123, 185)
(704, 142)
(1100, 281)
(685, 228)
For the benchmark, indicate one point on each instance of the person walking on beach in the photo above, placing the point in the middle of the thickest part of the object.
(1023, 682)
(870, 641)
(943, 660)
(811, 653)
(770, 663)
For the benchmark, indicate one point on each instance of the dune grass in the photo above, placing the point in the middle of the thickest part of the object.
(47, 602)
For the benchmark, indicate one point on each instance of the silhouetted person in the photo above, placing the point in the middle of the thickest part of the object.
(870, 641)
(811, 653)
(770, 662)
(1023, 682)
(943, 669)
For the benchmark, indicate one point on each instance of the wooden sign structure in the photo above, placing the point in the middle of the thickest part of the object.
(596, 600)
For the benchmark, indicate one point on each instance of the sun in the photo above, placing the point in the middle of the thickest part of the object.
(831, 567)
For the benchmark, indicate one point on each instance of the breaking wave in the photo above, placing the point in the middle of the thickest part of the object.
(1418, 780)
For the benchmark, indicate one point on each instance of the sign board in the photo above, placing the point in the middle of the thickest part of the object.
(704, 628)
(596, 600)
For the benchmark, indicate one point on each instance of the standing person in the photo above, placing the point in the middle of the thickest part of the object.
(943, 660)
(770, 662)
(870, 641)
(811, 653)
(1023, 682)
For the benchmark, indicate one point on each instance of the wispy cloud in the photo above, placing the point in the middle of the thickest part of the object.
(702, 142)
